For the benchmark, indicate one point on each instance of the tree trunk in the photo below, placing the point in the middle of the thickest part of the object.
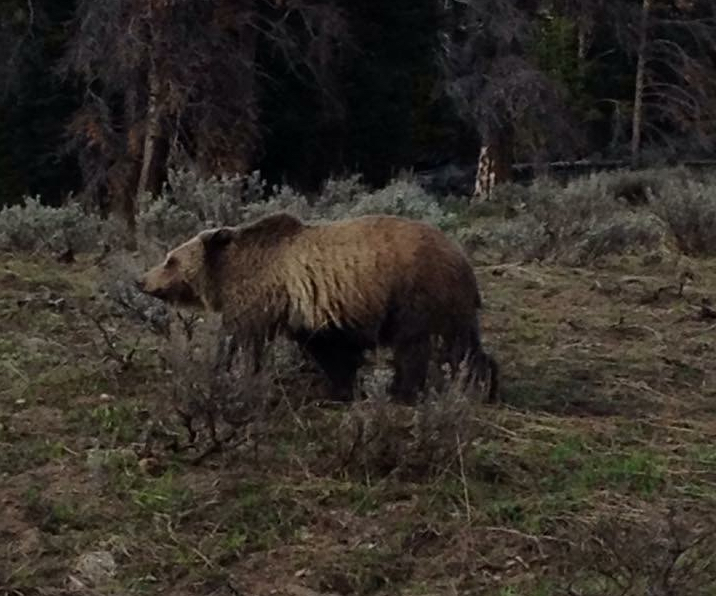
(153, 132)
(232, 149)
(121, 181)
(581, 45)
(639, 85)
(494, 164)
(583, 34)
(485, 179)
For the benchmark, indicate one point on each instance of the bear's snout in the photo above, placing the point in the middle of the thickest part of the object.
(157, 285)
(144, 285)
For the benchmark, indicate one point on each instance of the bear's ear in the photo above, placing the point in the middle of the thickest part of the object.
(215, 239)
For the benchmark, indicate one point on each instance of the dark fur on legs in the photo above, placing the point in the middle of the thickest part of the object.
(339, 356)
(482, 365)
(411, 358)
(487, 370)
(466, 348)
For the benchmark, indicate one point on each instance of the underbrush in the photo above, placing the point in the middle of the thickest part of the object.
(604, 214)
(32, 227)
(189, 204)
(615, 213)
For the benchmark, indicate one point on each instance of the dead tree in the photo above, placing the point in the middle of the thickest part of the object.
(497, 90)
(166, 78)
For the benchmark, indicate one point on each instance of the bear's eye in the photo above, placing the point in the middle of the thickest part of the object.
(171, 262)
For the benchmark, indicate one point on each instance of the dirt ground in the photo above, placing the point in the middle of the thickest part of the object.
(596, 475)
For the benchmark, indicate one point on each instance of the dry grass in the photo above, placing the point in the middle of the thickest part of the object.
(597, 476)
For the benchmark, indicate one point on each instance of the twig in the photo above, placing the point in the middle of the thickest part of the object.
(497, 427)
(537, 540)
(125, 360)
(216, 446)
(9, 365)
(466, 493)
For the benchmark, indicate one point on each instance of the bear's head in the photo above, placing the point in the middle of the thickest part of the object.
(184, 277)
(195, 273)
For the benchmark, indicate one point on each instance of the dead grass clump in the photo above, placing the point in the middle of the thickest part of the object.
(362, 571)
(215, 389)
(670, 554)
(376, 439)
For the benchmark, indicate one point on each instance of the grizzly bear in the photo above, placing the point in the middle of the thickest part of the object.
(338, 289)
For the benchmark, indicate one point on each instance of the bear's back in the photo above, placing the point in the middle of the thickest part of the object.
(376, 259)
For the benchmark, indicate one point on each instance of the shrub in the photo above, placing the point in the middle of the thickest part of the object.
(523, 237)
(216, 390)
(623, 233)
(607, 213)
(167, 223)
(218, 200)
(341, 191)
(403, 197)
(689, 208)
(189, 204)
(282, 198)
(31, 226)
(376, 438)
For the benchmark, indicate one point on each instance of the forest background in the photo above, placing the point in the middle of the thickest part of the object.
(101, 98)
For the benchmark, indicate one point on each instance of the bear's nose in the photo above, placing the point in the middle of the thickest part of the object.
(139, 284)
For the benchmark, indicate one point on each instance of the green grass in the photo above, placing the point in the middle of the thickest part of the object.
(164, 495)
(27, 453)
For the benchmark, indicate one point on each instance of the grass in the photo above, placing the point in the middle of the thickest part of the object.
(609, 421)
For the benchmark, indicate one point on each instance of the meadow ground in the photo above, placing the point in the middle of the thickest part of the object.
(596, 476)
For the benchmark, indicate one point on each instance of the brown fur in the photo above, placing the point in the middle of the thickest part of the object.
(338, 289)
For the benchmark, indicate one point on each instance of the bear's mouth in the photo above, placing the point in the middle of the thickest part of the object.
(180, 294)
(160, 293)
(186, 296)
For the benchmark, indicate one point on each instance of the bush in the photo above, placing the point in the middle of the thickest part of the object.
(32, 226)
(189, 204)
(689, 208)
(524, 237)
(217, 390)
(167, 223)
(403, 197)
(215, 201)
(342, 191)
(283, 198)
(116, 283)
(621, 234)
(601, 214)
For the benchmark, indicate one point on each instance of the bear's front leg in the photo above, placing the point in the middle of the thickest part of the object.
(339, 358)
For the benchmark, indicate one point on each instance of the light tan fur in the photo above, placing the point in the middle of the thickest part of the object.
(356, 266)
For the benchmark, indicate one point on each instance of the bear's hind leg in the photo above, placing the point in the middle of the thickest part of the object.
(482, 368)
(340, 360)
(411, 368)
